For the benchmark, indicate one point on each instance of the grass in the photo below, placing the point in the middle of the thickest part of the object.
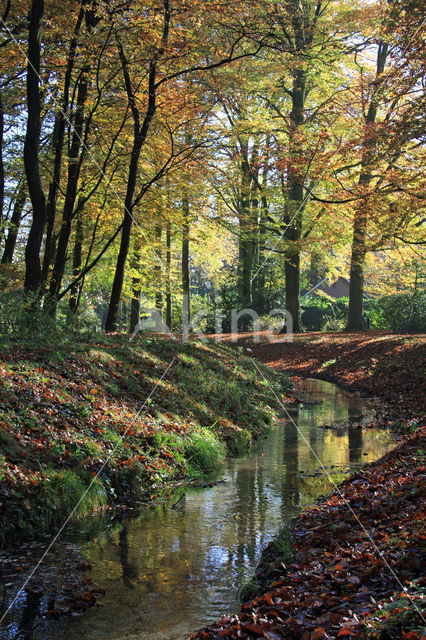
(71, 409)
(282, 544)
(399, 616)
(204, 453)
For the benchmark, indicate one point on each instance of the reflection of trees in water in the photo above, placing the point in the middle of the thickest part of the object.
(250, 516)
(30, 612)
(130, 572)
(290, 486)
(354, 433)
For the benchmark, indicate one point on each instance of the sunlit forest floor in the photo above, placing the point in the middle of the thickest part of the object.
(377, 364)
(90, 423)
(355, 567)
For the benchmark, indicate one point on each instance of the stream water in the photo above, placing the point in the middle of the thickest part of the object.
(175, 569)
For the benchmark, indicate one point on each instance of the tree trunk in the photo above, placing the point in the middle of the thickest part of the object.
(57, 145)
(186, 305)
(1, 165)
(246, 240)
(157, 272)
(293, 218)
(135, 305)
(168, 276)
(140, 133)
(260, 290)
(74, 167)
(117, 287)
(14, 223)
(31, 150)
(359, 248)
(76, 262)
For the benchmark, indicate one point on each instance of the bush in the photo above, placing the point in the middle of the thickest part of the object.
(402, 312)
(269, 323)
(313, 318)
(319, 313)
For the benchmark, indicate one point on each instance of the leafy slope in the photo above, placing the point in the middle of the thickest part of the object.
(71, 411)
(390, 367)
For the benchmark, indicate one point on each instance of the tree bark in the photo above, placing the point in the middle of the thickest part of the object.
(14, 223)
(294, 213)
(77, 262)
(168, 277)
(259, 297)
(158, 278)
(74, 167)
(31, 151)
(359, 246)
(186, 305)
(135, 305)
(1, 164)
(246, 240)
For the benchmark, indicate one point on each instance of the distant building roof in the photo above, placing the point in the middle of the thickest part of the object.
(337, 289)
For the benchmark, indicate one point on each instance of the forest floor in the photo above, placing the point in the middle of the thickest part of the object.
(355, 568)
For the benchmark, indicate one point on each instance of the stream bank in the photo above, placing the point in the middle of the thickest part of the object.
(184, 563)
(88, 422)
(356, 566)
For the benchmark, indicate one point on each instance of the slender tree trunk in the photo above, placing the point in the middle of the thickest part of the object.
(293, 219)
(186, 307)
(356, 282)
(158, 276)
(135, 305)
(14, 223)
(140, 133)
(31, 150)
(74, 167)
(359, 246)
(111, 321)
(168, 277)
(1, 165)
(57, 144)
(77, 261)
(246, 248)
(260, 303)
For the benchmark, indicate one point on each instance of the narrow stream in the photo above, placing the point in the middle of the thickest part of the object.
(174, 569)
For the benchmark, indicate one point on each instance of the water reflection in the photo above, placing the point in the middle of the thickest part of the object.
(174, 569)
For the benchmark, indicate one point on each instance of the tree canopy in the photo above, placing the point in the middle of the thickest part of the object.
(205, 156)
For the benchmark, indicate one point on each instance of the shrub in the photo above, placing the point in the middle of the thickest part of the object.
(403, 312)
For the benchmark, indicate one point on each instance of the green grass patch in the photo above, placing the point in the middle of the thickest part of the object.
(204, 454)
